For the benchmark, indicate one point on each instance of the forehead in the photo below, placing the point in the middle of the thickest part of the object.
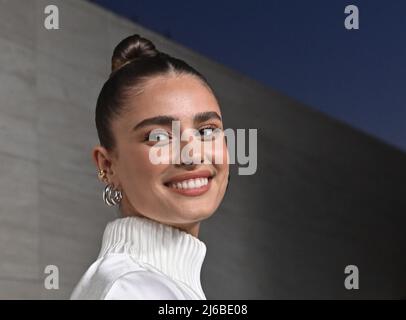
(179, 96)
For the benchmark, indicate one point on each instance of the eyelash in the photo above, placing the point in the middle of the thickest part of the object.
(208, 127)
(146, 136)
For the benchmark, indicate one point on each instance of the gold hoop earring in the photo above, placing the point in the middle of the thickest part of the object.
(102, 175)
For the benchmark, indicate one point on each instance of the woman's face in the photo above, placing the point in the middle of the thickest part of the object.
(177, 194)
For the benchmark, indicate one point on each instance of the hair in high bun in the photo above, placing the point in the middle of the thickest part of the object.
(132, 48)
(135, 60)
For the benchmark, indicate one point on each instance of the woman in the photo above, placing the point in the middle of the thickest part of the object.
(152, 250)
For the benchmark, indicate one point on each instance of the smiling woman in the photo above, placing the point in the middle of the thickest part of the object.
(153, 251)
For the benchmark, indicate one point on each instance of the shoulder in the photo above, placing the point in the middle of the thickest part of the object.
(98, 278)
(118, 277)
(144, 285)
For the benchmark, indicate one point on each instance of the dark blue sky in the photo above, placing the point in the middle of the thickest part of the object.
(300, 48)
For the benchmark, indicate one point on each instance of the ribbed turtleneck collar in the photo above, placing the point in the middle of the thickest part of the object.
(172, 251)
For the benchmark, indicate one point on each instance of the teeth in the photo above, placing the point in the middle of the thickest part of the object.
(190, 184)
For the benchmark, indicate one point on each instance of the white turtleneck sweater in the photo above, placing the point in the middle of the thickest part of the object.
(144, 259)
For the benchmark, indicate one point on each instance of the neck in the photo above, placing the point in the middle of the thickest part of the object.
(127, 210)
(171, 251)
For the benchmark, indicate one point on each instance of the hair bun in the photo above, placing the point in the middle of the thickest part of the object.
(132, 48)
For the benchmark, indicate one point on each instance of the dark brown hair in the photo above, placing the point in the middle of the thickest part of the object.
(135, 60)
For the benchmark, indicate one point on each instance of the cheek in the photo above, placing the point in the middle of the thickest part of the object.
(138, 171)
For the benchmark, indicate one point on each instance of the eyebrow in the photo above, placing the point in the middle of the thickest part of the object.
(167, 120)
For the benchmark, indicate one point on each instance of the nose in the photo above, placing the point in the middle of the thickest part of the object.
(191, 153)
(190, 165)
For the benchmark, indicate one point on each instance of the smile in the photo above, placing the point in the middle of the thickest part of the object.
(194, 184)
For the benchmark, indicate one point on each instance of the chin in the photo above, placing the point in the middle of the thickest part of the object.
(193, 213)
(191, 205)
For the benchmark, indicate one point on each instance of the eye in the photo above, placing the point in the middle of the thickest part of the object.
(160, 136)
(208, 133)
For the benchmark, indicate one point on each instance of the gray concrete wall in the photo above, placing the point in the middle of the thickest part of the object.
(324, 195)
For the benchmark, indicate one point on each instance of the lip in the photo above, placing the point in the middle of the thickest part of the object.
(193, 175)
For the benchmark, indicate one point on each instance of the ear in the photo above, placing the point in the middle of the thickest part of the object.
(103, 161)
